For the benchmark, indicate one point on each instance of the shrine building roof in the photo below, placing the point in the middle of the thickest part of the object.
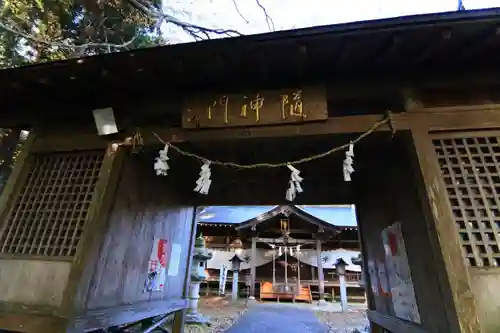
(401, 49)
(342, 216)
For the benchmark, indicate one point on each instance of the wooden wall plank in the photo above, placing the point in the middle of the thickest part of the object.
(88, 247)
(394, 324)
(32, 323)
(144, 208)
(485, 283)
(33, 282)
(454, 276)
(100, 318)
(390, 170)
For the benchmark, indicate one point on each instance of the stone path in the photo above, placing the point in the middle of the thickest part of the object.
(273, 319)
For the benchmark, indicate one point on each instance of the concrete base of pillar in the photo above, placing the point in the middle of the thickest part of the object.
(251, 300)
(322, 302)
(197, 319)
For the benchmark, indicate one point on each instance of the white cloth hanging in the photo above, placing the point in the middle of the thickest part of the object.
(305, 256)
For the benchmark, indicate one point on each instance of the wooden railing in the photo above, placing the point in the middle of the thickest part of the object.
(351, 278)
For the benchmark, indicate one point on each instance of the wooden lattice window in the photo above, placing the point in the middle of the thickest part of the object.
(48, 215)
(470, 167)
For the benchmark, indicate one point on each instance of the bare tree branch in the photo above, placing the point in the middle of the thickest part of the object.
(195, 31)
(148, 9)
(239, 12)
(14, 30)
(269, 20)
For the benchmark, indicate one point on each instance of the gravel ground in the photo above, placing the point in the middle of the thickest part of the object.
(221, 312)
(277, 319)
(352, 322)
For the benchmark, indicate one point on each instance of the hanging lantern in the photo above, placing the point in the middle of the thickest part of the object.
(285, 226)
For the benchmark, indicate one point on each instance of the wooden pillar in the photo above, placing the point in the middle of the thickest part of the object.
(321, 277)
(343, 292)
(180, 316)
(298, 276)
(252, 268)
(286, 268)
(452, 272)
(274, 268)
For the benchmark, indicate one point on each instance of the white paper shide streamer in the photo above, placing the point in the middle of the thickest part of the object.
(348, 168)
(203, 183)
(161, 166)
(295, 187)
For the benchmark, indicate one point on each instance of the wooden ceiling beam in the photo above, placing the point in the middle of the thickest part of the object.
(443, 39)
(476, 45)
(334, 125)
(435, 119)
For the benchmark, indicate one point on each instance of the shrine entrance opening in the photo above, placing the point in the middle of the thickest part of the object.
(385, 188)
(283, 252)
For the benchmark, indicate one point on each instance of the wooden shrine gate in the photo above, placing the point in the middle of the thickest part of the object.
(436, 176)
(80, 213)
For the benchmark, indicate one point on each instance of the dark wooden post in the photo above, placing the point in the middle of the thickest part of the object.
(321, 277)
(252, 268)
(453, 277)
(298, 276)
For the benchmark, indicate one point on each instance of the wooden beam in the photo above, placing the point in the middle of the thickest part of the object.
(453, 275)
(393, 324)
(282, 241)
(460, 117)
(103, 318)
(334, 125)
(292, 231)
(435, 119)
(69, 142)
(15, 181)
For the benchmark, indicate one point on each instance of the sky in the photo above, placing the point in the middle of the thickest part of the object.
(292, 14)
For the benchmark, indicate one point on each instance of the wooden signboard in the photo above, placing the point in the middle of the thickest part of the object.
(257, 108)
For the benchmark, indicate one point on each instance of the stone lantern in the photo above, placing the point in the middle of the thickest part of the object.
(236, 262)
(198, 275)
(358, 260)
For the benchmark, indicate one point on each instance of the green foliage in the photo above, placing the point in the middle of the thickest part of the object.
(49, 24)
